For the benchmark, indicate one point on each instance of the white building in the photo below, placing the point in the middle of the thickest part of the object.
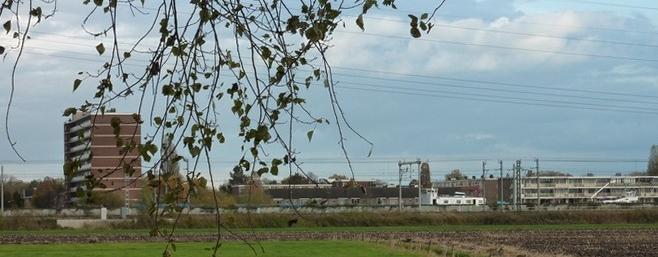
(431, 197)
(574, 190)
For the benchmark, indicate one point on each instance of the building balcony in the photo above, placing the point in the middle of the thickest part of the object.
(80, 148)
(76, 138)
(85, 167)
(84, 125)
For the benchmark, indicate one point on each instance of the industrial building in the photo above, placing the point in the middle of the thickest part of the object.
(90, 144)
(588, 189)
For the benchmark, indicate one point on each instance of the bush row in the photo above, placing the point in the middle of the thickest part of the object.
(27, 223)
(370, 219)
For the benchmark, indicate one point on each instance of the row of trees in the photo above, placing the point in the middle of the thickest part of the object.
(44, 193)
(238, 177)
(50, 193)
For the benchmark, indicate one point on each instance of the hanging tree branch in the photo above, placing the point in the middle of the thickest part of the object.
(205, 60)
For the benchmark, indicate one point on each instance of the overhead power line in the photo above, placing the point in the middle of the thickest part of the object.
(477, 99)
(518, 85)
(498, 89)
(590, 2)
(510, 48)
(560, 102)
(440, 25)
(426, 76)
(630, 108)
(380, 72)
(469, 96)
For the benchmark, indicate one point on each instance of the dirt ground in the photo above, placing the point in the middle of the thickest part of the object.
(572, 242)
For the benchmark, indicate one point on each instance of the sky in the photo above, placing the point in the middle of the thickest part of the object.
(495, 80)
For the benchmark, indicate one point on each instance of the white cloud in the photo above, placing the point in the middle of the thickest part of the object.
(440, 51)
(475, 137)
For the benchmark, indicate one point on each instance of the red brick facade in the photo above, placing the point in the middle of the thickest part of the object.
(91, 139)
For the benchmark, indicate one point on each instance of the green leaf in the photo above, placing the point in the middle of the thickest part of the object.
(415, 32)
(414, 19)
(70, 111)
(423, 26)
(126, 55)
(309, 134)
(368, 4)
(100, 48)
(359, 21)
(176, 51)
(7, 26)
(262, 171)
(265, 52)
(76, 84)
(424, 16)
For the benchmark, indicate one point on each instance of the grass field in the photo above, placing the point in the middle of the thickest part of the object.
(272, 249)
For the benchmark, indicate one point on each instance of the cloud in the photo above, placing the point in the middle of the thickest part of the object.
(464, 45)
(475, 137)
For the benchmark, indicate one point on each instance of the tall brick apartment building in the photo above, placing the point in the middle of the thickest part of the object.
(90, 139)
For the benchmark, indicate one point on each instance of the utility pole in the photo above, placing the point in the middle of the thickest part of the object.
(400, 186)
(537, 171)
(517, 184)
(2, 190)
(408, 164)
(502, 182)
(513, 198)
(484, 180)
(420, 185)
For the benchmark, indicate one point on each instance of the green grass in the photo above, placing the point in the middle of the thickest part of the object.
(272, 249)
(438, 228)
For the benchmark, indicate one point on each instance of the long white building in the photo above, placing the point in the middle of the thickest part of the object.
(583, 189)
